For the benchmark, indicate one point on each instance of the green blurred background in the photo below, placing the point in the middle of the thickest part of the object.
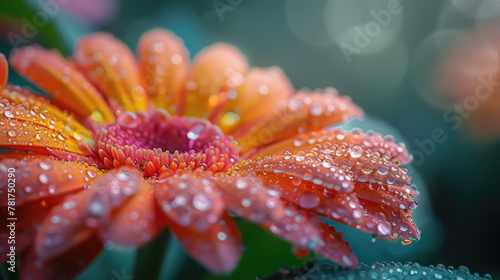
(388, 71)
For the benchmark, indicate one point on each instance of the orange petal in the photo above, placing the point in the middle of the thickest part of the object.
(163, 65)
(73, 221)
(259, 94)
(218, 249)
(305, 142)
(216, 70)
(4, 71)
(190, 200)
(134, 223)
(304, 112)
(111, 66)
(42, 178)
(48, 70)
(63, 267)
(250, 198)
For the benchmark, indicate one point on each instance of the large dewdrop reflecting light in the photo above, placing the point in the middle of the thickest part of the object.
(129, 145)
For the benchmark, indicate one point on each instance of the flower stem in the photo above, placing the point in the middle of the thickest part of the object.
(149, 258)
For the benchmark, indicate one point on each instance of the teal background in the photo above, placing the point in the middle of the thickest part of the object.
(391, 79)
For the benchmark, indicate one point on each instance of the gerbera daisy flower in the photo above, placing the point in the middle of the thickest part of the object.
(126, 147)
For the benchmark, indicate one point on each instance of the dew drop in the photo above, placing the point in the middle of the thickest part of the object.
(391, 180)
(279, 169)
(307, 175)
(383, 229)
(296, 181)
(308, 200)
(44, 114)
(45, 165)
(44, 178)
(68, 205)
(316, 109)
(92, 173)
(201, 202)
(406, 241)
(128, 120)
(383, 170)
(298, 142)
(356, 151)
(246, 202)
(367, 168)
(300, 156)
(195, 131)
(96, 208)
(8, 114)
(221, 236)
(122, 176)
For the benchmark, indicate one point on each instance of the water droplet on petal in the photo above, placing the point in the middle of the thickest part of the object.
(8, 114)
(383, 170)
(45, 165)
(92, 173)
(308, 200)
(221, 235)
(241, 184)
(383, 229)
(201, 202)
(367, 168)
(356, 151)
(308, 175)
(128, 120)
(44, 178)
(195, 131)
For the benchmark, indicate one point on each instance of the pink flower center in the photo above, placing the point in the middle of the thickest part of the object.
(157, 143)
